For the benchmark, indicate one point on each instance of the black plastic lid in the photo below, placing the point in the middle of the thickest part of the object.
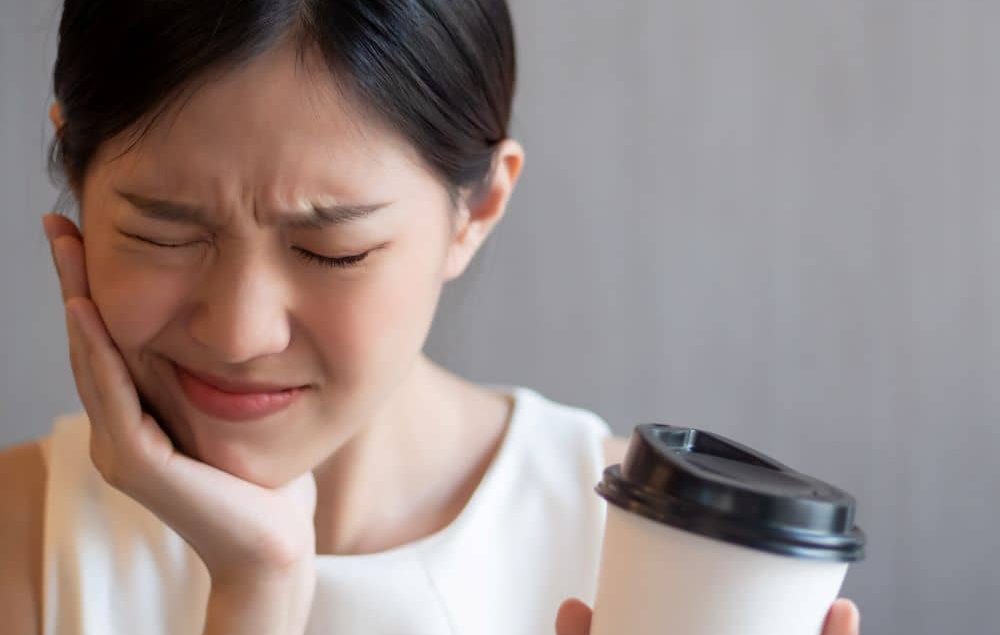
(709, 485)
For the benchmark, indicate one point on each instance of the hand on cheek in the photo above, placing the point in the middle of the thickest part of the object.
(238, 528)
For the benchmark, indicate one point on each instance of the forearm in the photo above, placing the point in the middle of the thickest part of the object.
(277, 605)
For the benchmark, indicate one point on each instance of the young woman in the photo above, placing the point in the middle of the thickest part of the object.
(271, 195)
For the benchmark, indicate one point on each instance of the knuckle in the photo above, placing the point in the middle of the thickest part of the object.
(285, 554)
(104, 460)
(279, 550)
(105, 469)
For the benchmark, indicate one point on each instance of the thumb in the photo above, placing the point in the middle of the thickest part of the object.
(843, 618)
(573, 618)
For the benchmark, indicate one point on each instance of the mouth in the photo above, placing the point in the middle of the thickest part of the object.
(234, 400)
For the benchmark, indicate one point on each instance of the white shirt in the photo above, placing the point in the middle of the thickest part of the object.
(528, 538)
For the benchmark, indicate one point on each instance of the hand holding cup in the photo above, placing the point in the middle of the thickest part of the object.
(843, 618)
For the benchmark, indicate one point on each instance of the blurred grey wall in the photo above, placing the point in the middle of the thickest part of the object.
(775, 220)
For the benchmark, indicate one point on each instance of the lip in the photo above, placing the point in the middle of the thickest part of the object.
(234, 401)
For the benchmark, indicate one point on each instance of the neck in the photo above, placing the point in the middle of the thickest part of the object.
(408, 472)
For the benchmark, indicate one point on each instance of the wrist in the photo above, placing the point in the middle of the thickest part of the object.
(261, 603)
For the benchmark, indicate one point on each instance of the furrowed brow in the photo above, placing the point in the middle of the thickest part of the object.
(326, 215)
(169, 211)
(317, 218)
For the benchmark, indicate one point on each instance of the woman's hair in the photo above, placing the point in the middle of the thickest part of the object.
(440, 73)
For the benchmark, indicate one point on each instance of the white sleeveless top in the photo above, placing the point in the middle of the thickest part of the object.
(528, 538)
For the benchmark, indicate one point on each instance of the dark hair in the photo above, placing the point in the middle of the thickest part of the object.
(439, 72)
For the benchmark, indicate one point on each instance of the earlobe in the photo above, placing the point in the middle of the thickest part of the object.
(459, 247)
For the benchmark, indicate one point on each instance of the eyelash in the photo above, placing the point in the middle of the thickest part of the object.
(324, 261)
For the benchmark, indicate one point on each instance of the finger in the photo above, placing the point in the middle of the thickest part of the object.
(112, 382)
(100, 440)
(573, 618)
(68, 254)
(56, 225)
(66, 245)
(118, 425)
(120, 417)
(843, 619)
(66, 259)
(82, 371)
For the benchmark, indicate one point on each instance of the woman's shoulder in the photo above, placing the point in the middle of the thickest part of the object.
(22, 506)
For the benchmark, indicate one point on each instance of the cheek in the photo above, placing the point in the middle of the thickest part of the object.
(135, 301)
(381, 321)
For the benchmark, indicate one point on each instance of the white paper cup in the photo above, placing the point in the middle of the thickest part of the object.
(657, 578)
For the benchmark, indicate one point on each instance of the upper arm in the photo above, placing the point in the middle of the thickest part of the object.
(614, 449)
(22, 498)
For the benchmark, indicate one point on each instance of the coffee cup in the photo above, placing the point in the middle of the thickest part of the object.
(705, 536)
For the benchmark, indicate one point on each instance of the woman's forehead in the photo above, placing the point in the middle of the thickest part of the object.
(266, 120)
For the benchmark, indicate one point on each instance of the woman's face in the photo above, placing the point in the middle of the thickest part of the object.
(237, 294)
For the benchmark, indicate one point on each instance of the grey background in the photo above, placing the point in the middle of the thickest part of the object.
(775, 220)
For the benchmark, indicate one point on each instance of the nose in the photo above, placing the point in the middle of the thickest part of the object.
(242, 312)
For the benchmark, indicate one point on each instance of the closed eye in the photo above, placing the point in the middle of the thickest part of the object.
(325, 261)
(159, 244)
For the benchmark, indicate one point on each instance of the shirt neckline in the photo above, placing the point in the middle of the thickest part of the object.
(487, 483)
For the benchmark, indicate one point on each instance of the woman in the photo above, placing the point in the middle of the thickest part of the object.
(271, 196)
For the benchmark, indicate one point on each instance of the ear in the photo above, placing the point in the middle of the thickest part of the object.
(56, 116)
(476, 219)
(57, 119)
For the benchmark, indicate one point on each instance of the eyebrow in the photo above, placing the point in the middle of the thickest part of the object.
(317, 217)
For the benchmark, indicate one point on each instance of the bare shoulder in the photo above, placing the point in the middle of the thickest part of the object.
(22, 498)
(614, 449)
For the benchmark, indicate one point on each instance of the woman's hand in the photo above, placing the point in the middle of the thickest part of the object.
(843, 618)
(258, 544)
